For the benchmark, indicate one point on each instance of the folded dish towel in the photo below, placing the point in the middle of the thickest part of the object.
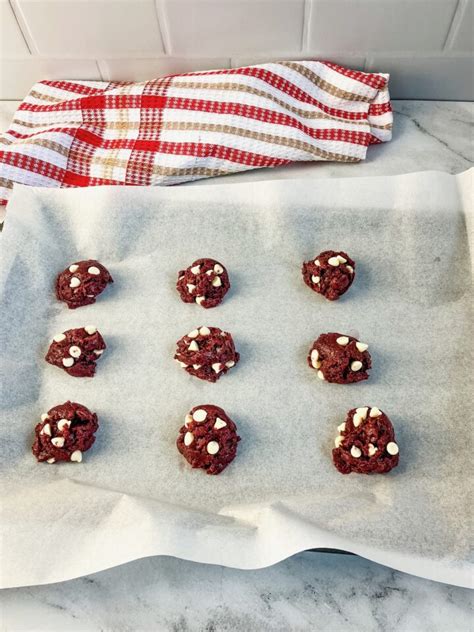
(191, 126)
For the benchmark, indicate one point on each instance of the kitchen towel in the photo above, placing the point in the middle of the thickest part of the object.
(191, 126)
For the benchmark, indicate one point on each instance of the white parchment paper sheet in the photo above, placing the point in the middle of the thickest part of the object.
(134, 495)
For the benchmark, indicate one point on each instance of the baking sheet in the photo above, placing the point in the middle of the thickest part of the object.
(134, 495)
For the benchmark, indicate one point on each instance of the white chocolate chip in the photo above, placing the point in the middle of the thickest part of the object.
(362, 346)
(392, 448)
(193, 346)
(314, 359)
(333, 261)
(182, 364)
(73, 268)
(46, 430)
(357, 420)
(338, 441)
(216, 282)
(199, 415)
(230, 364)
(341, 259)
(315, 279)
(316, 261)
(212, 447)
(196, 366)
(90, 329)
(356, 365)
(351, 269)
(193, 334)
(342, 427)
(374, 412)
(342, 340)
(188, 438)
(219, 423)
(196, 269)
(372, 449)
(58, 442)
(205, 331)
(188, 419)
(93, 270)
(44, 416)
(63, 423)
(90, 295)
(355, 452)
(321, 375)
(68, 362)
(74, 351)
(74, 282)
(59, 337)
(218, 269)
(191, 287)
(200, 299)
(362, 412)
(51, 460)
(216, 367)
(76, 456)
(209, 272)
(98, 352)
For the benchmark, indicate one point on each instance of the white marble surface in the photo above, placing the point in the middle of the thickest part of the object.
(308, 592)
(311, 591)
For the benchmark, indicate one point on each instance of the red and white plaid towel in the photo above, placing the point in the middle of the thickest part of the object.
(191, 126)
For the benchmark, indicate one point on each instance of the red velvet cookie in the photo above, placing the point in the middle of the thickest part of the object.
(79, 284)
(64, 433)
(208, 439)
(366, 443)
(76, 351)
(205, 282)
(339, 358)
(207, 353)
(331, 273)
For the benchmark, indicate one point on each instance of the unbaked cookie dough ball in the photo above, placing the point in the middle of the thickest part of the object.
(340, 358)
(331, 273)
(207, 353)
(205, 282)
(64, 433)
(82, 282)
(365, 443)
(76, 351)
(208, 439)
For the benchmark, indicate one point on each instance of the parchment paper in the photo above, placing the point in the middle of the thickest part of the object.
(134, 495)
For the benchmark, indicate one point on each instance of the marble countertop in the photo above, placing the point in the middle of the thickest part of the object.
(310, 591)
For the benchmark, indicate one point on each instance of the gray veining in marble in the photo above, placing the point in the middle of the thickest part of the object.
(311, 591)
